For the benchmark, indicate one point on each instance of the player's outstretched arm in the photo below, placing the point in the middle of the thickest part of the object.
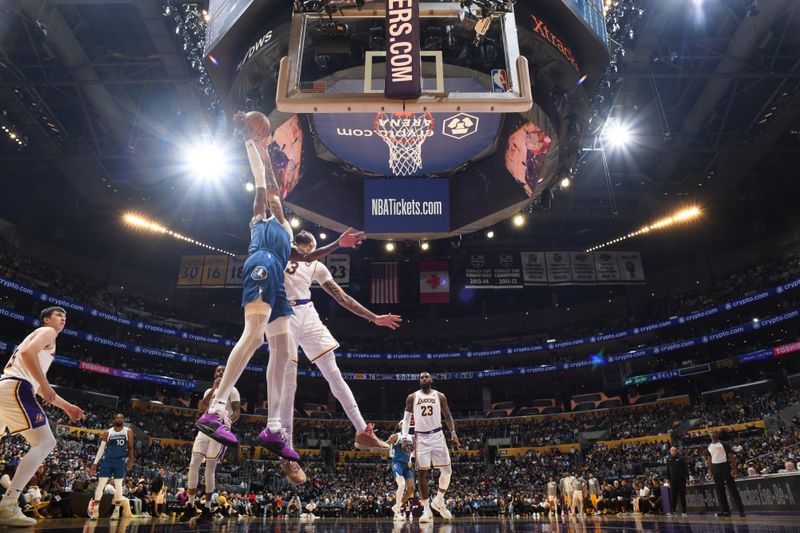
(349, 239)
(448, 418)
(348, 302)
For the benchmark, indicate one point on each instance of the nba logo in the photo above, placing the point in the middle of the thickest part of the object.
(39, 418)
(499, 81)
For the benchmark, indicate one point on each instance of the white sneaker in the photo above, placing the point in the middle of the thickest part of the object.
(426, 517)
(399, 517)
(442, 509)
(11, 515)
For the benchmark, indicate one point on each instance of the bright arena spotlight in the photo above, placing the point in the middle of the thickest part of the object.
(617, 134)
(207, 161)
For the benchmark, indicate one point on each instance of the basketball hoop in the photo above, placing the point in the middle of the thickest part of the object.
(404, 133)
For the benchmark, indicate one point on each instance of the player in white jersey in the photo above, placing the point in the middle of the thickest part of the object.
(205, 449)
(427, 406)
(308, 331)
(24, 376)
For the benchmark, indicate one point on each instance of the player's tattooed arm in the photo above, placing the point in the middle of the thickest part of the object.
(448, 418)
(349, 239)
(236, 407)
(205, 401)
(348, 302)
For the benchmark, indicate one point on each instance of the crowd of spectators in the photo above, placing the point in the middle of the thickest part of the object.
(16, 264)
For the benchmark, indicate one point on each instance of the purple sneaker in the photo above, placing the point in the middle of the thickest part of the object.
(210, 424)
(278, 444)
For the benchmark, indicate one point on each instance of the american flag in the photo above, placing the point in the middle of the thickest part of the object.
(313, 87)
(383, 287)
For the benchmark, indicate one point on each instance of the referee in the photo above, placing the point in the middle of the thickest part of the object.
(722, 468)
(678, 474)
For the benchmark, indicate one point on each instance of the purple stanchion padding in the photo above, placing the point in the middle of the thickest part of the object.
(403, 67)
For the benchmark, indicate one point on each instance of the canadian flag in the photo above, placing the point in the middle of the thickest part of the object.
(434, 282)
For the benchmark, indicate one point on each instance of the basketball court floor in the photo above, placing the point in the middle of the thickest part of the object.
(694, 524)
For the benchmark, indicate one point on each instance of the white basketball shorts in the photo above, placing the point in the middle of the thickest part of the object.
(210, 449)
(310, 333)
(431, 450)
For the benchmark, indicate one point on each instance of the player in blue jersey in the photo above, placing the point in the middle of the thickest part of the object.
(266, 308)
(403, 473)
(116, 453)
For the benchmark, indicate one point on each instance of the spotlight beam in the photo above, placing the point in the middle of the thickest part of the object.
(681, 216)
(139, 222)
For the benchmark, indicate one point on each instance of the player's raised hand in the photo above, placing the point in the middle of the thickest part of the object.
(351, 238)
(74, 412)
(241, 125)
(388, 321)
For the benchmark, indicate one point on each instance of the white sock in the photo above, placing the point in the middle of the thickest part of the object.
(191, 499)
(252, 338)
(289, 389)
(276, 369)
(341, 390)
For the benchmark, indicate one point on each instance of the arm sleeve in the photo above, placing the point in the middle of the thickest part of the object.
(256, 164)
(321, 273)
(406, 424)
(100, 451)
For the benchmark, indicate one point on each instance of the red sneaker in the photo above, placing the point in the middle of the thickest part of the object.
(366, 440)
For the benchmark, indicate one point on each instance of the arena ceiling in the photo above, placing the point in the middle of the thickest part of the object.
(102, 93)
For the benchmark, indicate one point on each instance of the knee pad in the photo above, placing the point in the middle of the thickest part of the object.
(444, 477)
(194, 470)
(117, 489)
(279, 326)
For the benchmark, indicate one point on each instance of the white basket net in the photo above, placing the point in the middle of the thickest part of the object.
(404, 133)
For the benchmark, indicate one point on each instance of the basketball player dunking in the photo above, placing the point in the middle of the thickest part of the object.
(24, 377)
(116, 453)
(427, 406)
(308, 331)
(208, 451)
(266, 307)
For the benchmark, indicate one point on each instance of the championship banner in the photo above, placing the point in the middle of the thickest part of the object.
(534, 271)
(403, 64)
(630, 264)
(558, 270)
(339, 265)
(582, 265)
(434, 282)
(493, 271)
(606, 266)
